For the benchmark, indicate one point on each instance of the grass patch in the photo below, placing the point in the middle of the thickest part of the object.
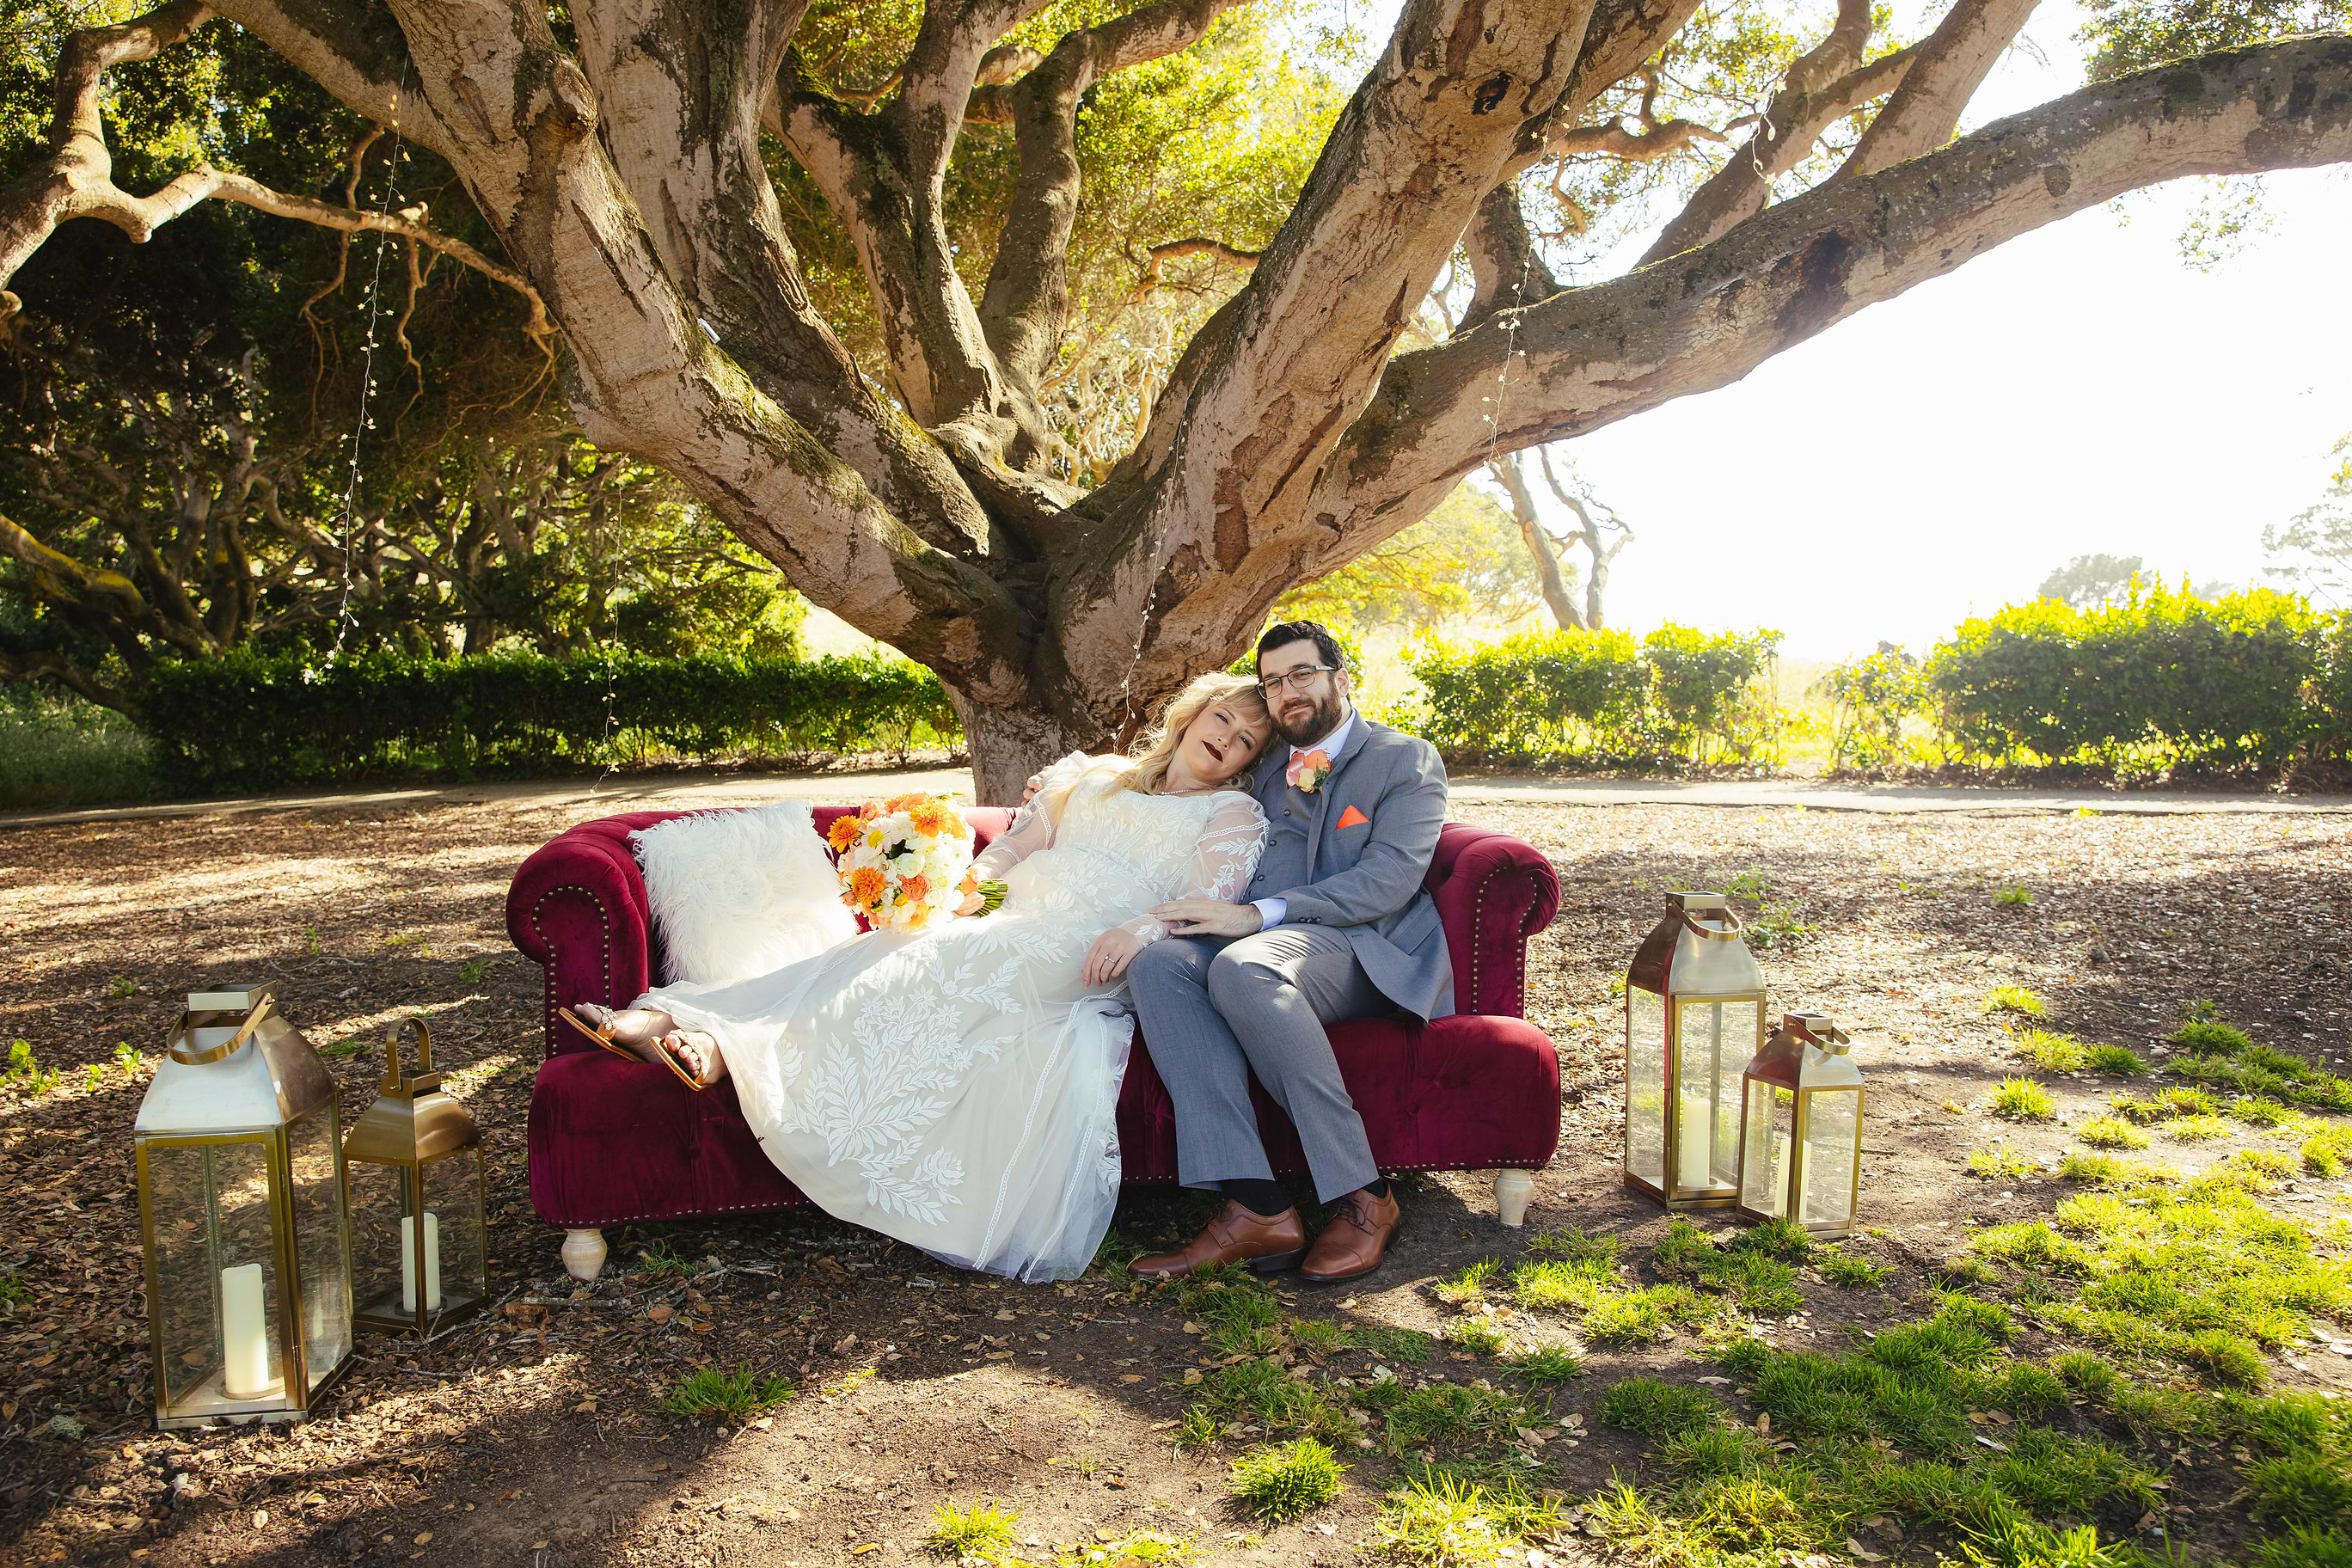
(2111, 1133)
(1847, 1272)
(1548, 1367)
(1477, 1336)
(1753, 1272)
(1467, 1287)
(2018, 999)
(983, 1530)
(2000, 1162)
(2196, 1128)
(1284, 1481)
(2108, 1171)
(1658, 1409)
(1262, 1394)
(1638, 1317)
(1448, 1521)
(2051, 1052)
(1447, 1416)
(1381, 1342)
(2022, 1099)
(735, 1395)
(2012, 898)
(1319, 1337)
(2121, 1060)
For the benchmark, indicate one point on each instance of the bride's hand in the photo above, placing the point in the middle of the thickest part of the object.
(1113, 951)
(972, 904)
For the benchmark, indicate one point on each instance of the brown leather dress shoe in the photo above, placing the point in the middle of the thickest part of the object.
(1357, 1231)
(1267, 1242)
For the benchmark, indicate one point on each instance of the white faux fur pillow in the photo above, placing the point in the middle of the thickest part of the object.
(739, 893)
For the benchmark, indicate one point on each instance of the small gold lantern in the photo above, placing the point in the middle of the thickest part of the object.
(241, 1216)
(417, 1199)
(1694, 1013)
(1801, 1128)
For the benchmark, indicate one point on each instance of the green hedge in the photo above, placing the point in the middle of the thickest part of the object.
(2251, 679)
(1600, 696)
(251, 721)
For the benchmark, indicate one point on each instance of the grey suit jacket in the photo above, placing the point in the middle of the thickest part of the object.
(1363, 881)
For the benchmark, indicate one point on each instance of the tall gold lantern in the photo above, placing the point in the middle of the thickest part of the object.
(1693, 1015)
(417, 1199)
(241, 1217)
(1801, 1128)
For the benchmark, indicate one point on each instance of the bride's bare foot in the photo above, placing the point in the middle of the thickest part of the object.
(636, 1027)
(698, 1053)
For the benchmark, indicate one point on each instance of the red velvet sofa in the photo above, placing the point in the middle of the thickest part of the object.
(614, 1143)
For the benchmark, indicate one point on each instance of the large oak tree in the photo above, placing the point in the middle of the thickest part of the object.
(621, 157)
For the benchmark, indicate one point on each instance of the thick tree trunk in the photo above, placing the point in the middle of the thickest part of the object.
(1010, 744)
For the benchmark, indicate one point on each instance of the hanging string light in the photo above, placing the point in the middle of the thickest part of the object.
(365, 421)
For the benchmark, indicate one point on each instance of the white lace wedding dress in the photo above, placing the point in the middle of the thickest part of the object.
(957, 1089)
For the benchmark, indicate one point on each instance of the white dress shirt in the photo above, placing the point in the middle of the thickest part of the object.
(1271, 911)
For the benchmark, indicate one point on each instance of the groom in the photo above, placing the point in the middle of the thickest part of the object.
(1338, 926)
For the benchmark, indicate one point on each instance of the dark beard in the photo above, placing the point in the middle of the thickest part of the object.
(1322, 721)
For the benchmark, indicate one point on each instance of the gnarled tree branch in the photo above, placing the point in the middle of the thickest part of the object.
(1952, 64)
(1705, 319)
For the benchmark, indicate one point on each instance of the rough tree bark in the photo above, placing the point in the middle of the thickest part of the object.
(623, 177)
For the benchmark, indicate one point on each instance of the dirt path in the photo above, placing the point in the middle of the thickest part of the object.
(692, 789)
(537, 1436)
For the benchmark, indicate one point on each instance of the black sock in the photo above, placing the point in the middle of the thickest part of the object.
(1265, 1199)
(1378, 1186)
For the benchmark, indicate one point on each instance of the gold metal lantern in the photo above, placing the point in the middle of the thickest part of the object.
(1694, 1013)
(1801, 1128)
(417, 1199)
(241, 1216)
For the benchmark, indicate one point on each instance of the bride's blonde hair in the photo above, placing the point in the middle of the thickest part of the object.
(1146, 768)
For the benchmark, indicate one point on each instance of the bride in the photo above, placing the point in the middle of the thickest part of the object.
(956, 1088)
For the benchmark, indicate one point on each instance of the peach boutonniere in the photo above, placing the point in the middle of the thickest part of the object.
(1307, 770)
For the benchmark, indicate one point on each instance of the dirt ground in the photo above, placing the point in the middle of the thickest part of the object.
(535, 1434)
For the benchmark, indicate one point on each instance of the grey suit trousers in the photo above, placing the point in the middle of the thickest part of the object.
(1222, 1009)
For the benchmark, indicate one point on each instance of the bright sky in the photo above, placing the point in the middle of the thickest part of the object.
(2076, 390)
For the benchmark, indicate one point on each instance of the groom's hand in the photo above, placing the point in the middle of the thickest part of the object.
(1208, 917)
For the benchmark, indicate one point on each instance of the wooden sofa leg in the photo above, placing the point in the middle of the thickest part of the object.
(584, 1253)
(1512, 1191)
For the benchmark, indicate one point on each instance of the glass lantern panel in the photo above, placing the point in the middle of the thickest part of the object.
(1645, 1086)
(1771, 1130)
(453, 1207)
(383, 1212)
(318, 1244)
(1833, 1156)
(1712, 1047)
(217, 1291)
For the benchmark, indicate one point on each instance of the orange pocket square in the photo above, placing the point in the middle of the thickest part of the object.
(1352, 817)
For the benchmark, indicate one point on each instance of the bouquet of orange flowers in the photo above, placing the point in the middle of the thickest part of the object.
(906, 861)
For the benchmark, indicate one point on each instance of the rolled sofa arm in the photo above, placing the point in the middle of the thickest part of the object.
(578, 907)
(1494, 892)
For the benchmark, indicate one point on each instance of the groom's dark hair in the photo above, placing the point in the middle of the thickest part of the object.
(1285, 632)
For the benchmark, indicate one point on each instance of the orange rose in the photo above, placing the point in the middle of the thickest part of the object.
(843, 833)
(970, 883)
(867, 884)
(916, 888)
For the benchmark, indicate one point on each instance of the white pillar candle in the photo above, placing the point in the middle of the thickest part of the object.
(432, 1263)
(245, 1333)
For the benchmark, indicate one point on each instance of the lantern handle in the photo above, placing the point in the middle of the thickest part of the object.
(392, 1075)
(1713, 933)
(184, 1046)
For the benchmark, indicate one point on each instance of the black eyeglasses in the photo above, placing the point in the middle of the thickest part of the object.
(1296, 679)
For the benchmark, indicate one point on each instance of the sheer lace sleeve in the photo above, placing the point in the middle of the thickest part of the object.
(1033, 826)
(1223, 861)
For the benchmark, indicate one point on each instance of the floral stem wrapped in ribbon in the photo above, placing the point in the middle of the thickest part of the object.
(906, 862)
